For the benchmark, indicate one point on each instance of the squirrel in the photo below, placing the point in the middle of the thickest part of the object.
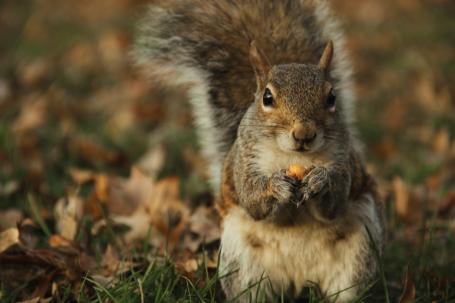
(270, 84)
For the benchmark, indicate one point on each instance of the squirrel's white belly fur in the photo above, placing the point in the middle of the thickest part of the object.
(288, 258)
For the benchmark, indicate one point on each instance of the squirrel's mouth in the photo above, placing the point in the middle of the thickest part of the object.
(302, 149)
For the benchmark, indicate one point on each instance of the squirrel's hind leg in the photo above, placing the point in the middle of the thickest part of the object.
(243, 284)
(242, 274)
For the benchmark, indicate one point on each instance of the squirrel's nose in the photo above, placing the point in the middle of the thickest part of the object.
(301, 134)
(305, 139)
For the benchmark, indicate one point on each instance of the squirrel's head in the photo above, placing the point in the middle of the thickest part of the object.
(295, 103)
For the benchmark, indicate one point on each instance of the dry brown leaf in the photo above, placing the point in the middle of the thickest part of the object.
(10, 218)
(120, 122)
(409, 291)
(81, 176)
(59, 241)
(139, 224)
(111, 267)
(83, 58)
(187, 266)
(441, 143)
(152, 162)
(101, 187)
(102, 280)
(95, 152)
(35, 72)
(146, 206)
(448, 204)
(410, 202)
(111, 260)
(5, 90)
(205, 225)
(122, 197)
(24, 265)
(167, 211)
(8, 238)
(33, 114)
(9, 188)
(126, 196)
(434, 180)
(394, 115)
(401, 192)
(67, 213)
(113, 46)
(384, 148)
(430, 97)
(27, 232)
(93, 207)
(34, 300)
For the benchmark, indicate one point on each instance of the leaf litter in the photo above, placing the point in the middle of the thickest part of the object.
(152, 211)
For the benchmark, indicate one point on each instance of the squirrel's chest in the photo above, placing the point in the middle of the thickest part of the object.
(271, 159)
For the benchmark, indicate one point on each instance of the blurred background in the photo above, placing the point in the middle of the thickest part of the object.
(79, 122)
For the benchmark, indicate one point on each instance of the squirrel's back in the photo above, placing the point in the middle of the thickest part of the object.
(204, 45)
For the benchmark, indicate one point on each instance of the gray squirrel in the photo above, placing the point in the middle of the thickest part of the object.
(271, 91)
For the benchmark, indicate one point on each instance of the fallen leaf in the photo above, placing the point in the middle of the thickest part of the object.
(8, 238)
(35, 73)
(139, 224)
(144, 205)
(10, 218)
(63, 244)
(448, 204)
(34, 300)
(24, 265)
(9, 188)
(152, 162)
(113, 47)
(126, 196)
(81, 176)
(101, 187)
(205, 226)
(28, 232)
(429, 97)
(384, 149)
(33, 114)
(111, 259)
(94, 152)
(402, 202)
(67, 213)
(83, 59)
(167, 211)
(441, 143)
(5, 90)
(187, 266)
(102, 280)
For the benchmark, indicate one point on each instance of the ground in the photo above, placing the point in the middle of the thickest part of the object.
(109, 189)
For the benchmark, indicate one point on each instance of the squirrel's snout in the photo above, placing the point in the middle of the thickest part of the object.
(303, 134)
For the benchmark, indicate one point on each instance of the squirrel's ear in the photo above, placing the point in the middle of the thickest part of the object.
(260, 65)
(326, 58)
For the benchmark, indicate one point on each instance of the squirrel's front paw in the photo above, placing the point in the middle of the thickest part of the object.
(283, 187)
(314, 183)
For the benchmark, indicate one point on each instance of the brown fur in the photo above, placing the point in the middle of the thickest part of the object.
(207, 47)
(215, 37)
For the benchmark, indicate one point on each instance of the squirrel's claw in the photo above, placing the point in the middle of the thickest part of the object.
(315, 183)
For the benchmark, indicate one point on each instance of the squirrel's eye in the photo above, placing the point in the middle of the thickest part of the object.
(331, 99)
(267, 99)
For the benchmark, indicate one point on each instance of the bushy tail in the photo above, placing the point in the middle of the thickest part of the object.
(203, 45)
